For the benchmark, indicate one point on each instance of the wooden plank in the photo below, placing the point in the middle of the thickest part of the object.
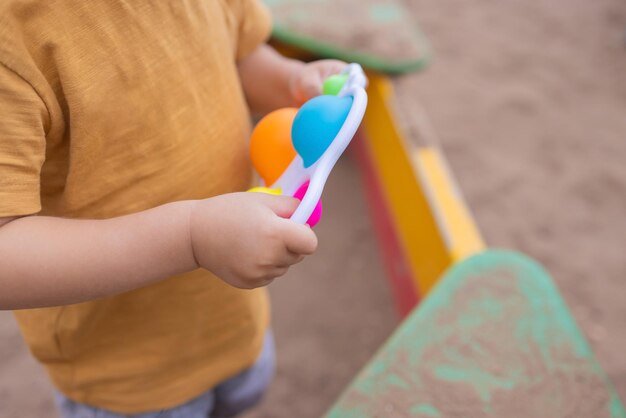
(432, 223)
(493, 339)
(401, 281)
(455, 222)
(410, 212)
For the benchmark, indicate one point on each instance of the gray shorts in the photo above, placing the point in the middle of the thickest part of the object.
(228, 399)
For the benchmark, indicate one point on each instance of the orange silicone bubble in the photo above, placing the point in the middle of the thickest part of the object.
(271, 149)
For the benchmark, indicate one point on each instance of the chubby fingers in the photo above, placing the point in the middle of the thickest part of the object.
(309, 83)
(282, 206)
(288, 259)
(300, 240)
(330, 67)
(310, 86)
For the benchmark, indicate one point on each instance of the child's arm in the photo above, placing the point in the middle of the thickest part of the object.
(241, 237)
(271, 81)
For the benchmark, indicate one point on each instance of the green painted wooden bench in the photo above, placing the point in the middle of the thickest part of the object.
(378, 34)
(493, 339)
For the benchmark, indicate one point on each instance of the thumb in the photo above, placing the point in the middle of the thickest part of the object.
(282, 206)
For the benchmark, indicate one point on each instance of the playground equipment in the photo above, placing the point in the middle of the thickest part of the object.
(490, 332)
(485, 332)
(494, 338)
(490, 327)
(295, 150)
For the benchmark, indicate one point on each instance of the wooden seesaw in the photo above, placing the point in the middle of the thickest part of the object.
(485, 332)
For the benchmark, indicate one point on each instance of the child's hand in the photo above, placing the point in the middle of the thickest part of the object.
(245, 238)
(306, 80)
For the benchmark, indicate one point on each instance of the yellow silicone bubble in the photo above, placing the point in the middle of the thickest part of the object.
(267, 190)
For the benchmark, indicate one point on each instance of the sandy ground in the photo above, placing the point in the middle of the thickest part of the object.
(529, 101)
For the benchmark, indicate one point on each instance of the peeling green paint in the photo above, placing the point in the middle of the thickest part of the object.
(493, 331)
(425, 409)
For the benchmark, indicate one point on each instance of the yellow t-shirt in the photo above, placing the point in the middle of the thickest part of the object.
(109, 107)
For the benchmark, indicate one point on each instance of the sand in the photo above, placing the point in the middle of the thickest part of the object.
(480, 355)
(528, 99)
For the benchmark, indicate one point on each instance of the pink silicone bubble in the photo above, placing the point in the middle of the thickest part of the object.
(317, 212)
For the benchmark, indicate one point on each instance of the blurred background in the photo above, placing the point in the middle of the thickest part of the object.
(528, 100)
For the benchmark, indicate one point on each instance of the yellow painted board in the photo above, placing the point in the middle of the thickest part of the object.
(414, 223)
(447, 204)
(429, 215)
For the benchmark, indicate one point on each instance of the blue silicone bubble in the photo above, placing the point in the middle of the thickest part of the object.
(316, 124)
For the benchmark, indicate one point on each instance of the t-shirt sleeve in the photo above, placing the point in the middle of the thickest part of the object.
(22, 145)
(254, 26)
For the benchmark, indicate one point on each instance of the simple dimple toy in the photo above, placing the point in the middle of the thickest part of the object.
(294, 150)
